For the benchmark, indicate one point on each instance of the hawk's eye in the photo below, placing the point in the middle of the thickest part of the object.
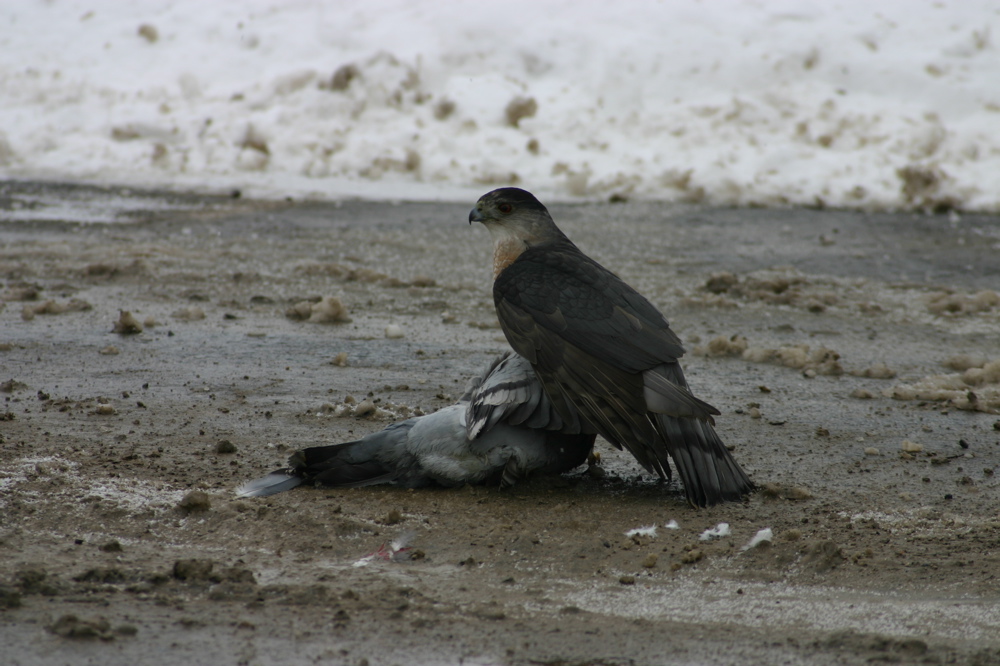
(505, 208)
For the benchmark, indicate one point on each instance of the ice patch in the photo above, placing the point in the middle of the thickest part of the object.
(818, 607)
(132, 494)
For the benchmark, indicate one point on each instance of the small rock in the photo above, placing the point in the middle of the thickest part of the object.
(196, 500)
(649, 562)
(110, 350)
(786, 492)
(9, 597)
(104, 409)
(126, 324)
(627, 580)
(225, 446)
(871, 451)
(149, 33)
(193, 569)
(877, 371)
(12, 385)
(822, 556)
(340, 360)
(70, 626)
(394, 332)
(330, 310)
(301, 310)
(911, 447)
(126, 630)
(797, 493)
(692, 556)
(394, 517)
(365, 408)
(189, 314)
(111, 547)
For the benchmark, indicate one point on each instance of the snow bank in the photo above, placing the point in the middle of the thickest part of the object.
(890, 104)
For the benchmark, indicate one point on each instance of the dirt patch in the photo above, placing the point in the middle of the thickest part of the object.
(121, 536)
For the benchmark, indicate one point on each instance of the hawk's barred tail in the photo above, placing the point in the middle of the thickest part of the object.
(708, 472)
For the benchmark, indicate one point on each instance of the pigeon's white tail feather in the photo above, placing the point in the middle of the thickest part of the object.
(273, 483)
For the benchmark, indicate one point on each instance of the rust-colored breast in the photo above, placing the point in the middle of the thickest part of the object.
(504, 254)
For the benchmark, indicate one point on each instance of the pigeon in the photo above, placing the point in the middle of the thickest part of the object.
(502, 430)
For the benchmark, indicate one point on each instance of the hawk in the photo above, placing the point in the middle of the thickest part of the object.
(605, 356)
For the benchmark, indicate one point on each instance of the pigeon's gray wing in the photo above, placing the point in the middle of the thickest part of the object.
(510, 393)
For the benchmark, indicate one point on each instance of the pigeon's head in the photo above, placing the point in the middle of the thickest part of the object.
(512, 213)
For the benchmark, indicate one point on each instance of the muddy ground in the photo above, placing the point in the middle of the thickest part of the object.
(884, 510)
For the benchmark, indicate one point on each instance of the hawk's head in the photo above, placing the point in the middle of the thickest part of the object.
(511, 214)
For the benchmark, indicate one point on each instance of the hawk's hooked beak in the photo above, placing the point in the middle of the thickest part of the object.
(475, 215)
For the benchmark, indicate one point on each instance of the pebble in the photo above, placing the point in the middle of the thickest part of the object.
(394, 332)
(365, 408)
(70, 626)
(9, 597)
(394, 517)
(649, 561)
(127, 324)
(871, 451)
(692, 556)
(225, 446)
(111, 547)
(193, 569)
(911, 447)
(196, 500)
(193, 313)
